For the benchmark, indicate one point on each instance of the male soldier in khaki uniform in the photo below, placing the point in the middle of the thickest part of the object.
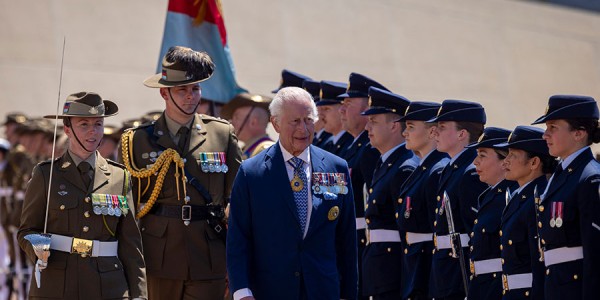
(95, 248)
(249, 115)
(181, 216)
(19, 164)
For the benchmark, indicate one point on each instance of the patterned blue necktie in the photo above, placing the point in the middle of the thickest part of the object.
(301, 197)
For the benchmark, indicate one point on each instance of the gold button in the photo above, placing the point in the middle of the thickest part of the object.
(471, 248)
(370, 190)
(503, 292)
(86, 229)
(483, 230)
(494, 275)
(526, 293)
(500, 232)
(540, 224)
(472, 234)
(543, 242)
(86, 214)
(116, 266)
(62, 207)
(547, 271)
(435, 223)
(405, 251)
(501, 247)
(450, 254)
(400, 200)
(471, 277)
(502, 260)
(362, 241)
(366, 205)
(510, 242)
(575, 277)
(367, 221)
(436, 210)
(396, 215)
(541, 208)
(374, 201)
(433, 251)
(389, 249)
(475, 221)
(438, 198)
(87, 199)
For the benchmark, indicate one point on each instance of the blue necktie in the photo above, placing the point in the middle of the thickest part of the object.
(301, 197)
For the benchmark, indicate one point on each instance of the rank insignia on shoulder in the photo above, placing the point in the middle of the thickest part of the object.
(213, 162)
(334, 183)
(111, 205)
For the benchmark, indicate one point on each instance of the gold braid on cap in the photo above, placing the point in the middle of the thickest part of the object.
(162, 162)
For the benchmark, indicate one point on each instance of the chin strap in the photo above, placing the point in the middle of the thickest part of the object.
(78, 141)
(181, 109)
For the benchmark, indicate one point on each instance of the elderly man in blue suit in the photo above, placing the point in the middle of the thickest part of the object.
(292, 230)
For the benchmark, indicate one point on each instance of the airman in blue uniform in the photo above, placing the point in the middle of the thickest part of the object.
(313, 87)
(360, 155)
(328, 106)
(382, 256)
(416, 200)
(527, 163)
(459, 123)
(485, 264)
(569, 223)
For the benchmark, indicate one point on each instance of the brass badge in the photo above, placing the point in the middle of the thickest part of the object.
(333, 213)
(297, 184)
(65, 165)
(81, 246)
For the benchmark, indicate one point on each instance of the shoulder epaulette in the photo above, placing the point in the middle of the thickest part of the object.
(211, 118)
(145, 125)
(48, 161)
(114, 163)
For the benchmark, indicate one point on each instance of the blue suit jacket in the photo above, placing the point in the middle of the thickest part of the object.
(577, 188)
(266, 251)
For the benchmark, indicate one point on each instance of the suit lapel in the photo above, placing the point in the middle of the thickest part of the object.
(197, 134)
(161, 132)
(69, 171)
(317, 215)
(559, 181)
(275, 166)
(101, 172)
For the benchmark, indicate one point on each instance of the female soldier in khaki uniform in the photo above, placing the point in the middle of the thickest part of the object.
(95, 248)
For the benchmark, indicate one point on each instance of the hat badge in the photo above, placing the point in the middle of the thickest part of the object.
(93, 110)
(510, 137)
(439, 111)
(370, 101)
(407, 109)
(321, 94)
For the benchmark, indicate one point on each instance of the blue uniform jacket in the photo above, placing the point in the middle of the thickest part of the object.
(381, 261)
(485, 240)
(420, 187)
(518, 239)
(339, 148)
(577, 188)
(462, 184)
(266, 251)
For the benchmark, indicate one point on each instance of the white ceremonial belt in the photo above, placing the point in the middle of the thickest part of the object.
(413, 237)
(487, 266)
(443, 241)
(383, 235)
(93, 248)
(517, 281)
(361, 223)
(561, 255)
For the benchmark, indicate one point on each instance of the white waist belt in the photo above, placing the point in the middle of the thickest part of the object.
(383, 235)
(66, 244)
(561, 255)
(517, 281)
(361, 223)
(487, 266)
(413, 237)
(443, 241)
(20, 195)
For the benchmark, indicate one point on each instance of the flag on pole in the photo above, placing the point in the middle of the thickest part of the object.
(199, 24)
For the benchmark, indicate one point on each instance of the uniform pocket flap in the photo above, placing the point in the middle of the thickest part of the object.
(108, 264)
(155, 226)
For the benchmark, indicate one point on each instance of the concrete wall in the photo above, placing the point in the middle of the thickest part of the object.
(508, 55)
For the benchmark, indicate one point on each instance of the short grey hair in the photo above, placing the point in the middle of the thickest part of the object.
(289, 95)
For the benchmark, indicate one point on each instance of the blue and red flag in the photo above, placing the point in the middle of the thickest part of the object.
(199, 24)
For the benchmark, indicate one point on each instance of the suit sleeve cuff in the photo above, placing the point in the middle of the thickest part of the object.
(241, 293)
